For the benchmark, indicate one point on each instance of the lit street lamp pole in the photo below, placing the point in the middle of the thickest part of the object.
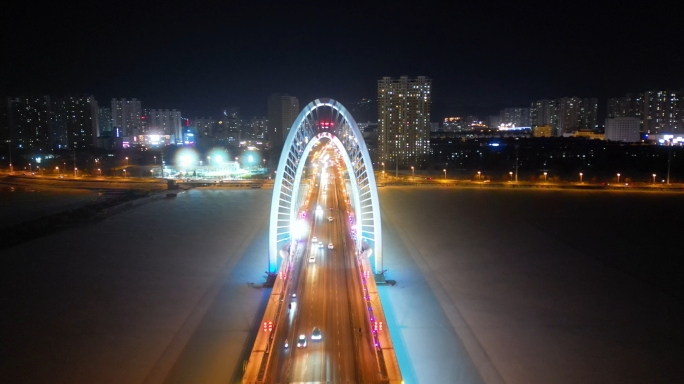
(444, 173)
(580, 177)
(516, 163)
(155, 160)
(478, 175)
(618, 178)
(99, 171)
(654, 175)
(413, 172)
(75, 172)
(124, 173)
(511, 173)
(669, 157)
(545, 177)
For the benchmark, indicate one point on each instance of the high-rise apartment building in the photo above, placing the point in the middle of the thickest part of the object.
(659, 111)
(282, 112)
(589, 113)
(576, 114)
(624, 129)
(30, 122)
(231, 124)
(544, 113)
(258, 126)
(663, 112)
(619, 107)
(127, 115)
(104, 118)
(404, 121)
(568, 115)
(164, 122)
(74, 122)
(204, 126)
(519, 117)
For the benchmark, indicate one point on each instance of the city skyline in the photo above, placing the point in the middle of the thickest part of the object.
(198, 61)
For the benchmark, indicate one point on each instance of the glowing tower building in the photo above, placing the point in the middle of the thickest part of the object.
(404, 121)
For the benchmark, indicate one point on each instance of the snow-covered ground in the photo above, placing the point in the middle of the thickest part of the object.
(539, 286)
(19, 203)
(518, 286)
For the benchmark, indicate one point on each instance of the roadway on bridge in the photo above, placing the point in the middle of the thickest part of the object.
(329, 298)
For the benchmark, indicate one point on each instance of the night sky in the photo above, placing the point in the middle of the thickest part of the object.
(198, 58)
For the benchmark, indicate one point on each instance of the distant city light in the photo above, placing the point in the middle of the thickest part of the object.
(186, 158)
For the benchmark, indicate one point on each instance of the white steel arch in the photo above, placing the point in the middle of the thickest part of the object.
(345, 135)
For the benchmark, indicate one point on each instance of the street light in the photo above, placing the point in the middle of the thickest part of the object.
(30, 168)
(511, 173)
(444, 170)
(545, 177)
(100, 171)
(127, 161)
(57, 170)
(11, 168)
(654, 175)
(75, 172)
(581, 174)
(478, 175)
(413, 172)
(155, 160)
(618, 178)
(124, 173)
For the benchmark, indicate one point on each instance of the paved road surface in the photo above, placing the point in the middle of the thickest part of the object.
(328, 297)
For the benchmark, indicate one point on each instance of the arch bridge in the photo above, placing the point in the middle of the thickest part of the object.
(325, 118)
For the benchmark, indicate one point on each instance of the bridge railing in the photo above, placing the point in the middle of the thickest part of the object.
(386, 357)
(259, 359)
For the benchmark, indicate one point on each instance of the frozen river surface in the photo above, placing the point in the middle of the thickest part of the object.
(19, 204)
(495, 286)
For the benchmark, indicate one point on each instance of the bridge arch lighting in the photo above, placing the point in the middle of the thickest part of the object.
(344, 135)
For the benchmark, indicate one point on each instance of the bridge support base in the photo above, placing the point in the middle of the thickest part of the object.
(270, 279)
(380, 279)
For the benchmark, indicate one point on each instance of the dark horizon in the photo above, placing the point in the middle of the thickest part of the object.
(480, 57)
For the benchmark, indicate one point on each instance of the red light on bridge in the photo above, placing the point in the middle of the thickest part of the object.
(377, 326)
(268, 326)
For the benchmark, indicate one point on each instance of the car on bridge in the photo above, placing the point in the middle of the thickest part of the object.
(301, 341)
(330, 218)
(312, 259)
(330, 246)
(316, 334)
(320, 244)
(314, 239)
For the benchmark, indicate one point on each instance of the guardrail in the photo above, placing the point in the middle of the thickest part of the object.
(382, 340)
(260, 357)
